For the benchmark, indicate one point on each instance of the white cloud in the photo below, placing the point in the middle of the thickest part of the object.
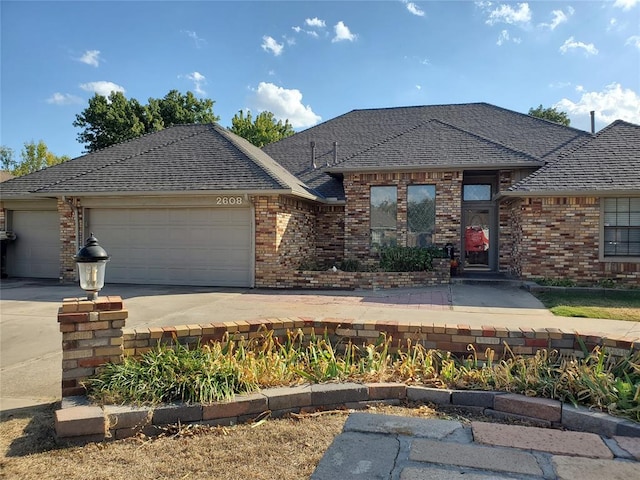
(633, 41)
(571, 44)
(296, 29)
(102, 87)
(613, 103)
(626, 4)
(505, 37)
(63, 99)
(199, 41)
(198, 81)
(284, 104)
(413, 8)
(270, 45)
(507, 14)
(418, 87)
(559, 17)
(343, 33)
(90, 57)
(315, 22)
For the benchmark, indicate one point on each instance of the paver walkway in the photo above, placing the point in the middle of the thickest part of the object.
(407, 448)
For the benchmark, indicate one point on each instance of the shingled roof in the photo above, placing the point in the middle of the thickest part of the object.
(512, 136)
(181, 158)
(608, 164)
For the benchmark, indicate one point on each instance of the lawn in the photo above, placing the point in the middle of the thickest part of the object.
(608, 304)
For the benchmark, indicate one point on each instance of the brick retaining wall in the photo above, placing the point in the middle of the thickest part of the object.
(451, 338)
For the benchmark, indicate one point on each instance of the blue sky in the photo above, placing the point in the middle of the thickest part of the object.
(310, 61)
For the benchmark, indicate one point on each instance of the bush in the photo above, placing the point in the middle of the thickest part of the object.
(408, 259)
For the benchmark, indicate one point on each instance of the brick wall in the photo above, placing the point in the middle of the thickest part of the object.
(328, 279)
(558, 238)
(357, 217)
(69, 244)
(452, 338)
(285, 237)
(330, 235)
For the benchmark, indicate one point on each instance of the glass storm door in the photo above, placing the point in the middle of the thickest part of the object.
(477, 239)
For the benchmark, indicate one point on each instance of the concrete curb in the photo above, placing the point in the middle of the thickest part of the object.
(78, 422)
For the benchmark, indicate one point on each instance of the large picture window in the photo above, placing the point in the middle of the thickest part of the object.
(421, 215)
(622, 227)
(384, 215)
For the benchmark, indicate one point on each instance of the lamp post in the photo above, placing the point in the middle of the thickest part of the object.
(92, 260)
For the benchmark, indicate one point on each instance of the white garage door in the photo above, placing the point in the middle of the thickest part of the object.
(36, 251)
(176, 246)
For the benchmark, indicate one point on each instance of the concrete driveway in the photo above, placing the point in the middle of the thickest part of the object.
(30, 341)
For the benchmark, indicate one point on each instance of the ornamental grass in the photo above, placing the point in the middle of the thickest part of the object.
(219, 370)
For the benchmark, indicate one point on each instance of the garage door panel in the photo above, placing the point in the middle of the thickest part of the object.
(36, 251)
(181, 246)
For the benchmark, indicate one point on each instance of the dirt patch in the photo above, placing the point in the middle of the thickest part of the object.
(277, 448)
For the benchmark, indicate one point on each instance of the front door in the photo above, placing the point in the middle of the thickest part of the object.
(478, 243)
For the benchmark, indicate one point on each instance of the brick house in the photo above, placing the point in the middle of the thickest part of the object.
(197, 205)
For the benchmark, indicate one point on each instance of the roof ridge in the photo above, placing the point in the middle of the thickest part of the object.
(241, 144)
(382, 142)
(128, 157)
(486, 139)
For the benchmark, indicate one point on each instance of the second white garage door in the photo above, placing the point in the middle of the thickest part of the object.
(176, 246)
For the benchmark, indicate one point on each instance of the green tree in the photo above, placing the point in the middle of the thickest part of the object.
(35, 156)
(114, 119)
(550, 114)
(261, 131)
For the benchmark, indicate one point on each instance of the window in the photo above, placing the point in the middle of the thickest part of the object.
(476, 192)
(384, 214)
(622, 227)
(421, 215)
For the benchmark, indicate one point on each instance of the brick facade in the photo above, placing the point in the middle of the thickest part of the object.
(357, 217)
(69, 243)
(558, 238)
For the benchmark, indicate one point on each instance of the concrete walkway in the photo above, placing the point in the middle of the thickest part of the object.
(408, 448)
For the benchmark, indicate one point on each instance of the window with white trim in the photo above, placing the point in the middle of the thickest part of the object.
(622, 227)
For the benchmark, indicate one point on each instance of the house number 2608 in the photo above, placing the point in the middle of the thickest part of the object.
(228, 200)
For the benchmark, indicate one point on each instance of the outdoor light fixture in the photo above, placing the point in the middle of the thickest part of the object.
(92, 260)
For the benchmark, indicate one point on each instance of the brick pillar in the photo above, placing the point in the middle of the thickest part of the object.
(91, 336)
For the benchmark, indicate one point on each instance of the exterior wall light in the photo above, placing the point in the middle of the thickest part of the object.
(92, 260)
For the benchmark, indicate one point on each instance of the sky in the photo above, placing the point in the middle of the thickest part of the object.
(311, 61)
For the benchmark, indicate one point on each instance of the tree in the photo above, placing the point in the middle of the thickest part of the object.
(35, 156)
(114, 119)
(550, 114)
(261, 131)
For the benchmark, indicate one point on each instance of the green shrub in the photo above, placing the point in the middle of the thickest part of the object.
(555, 282)
(350, 265)
(408, 259)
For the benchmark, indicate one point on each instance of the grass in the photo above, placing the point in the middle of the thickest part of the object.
(599, 380)
(607, 304)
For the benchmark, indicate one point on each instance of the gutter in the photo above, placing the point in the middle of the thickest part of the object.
(570, 193)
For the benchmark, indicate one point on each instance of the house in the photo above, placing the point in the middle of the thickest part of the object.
(197, 205)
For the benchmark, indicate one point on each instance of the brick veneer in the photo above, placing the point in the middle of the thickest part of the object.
(69, 243)
(357, 217)
(558, 238)
(452, 338)
(91, 336)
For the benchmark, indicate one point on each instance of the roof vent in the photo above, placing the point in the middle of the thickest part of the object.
(313, 155)
(335, 153)
(593, 121)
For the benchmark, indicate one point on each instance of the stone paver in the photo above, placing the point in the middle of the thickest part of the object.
(630, 444)
(358, 456)
(432, 473)
(543, 408)
(487, 458)
(541, 439)
(397, 425)
(572, 468)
